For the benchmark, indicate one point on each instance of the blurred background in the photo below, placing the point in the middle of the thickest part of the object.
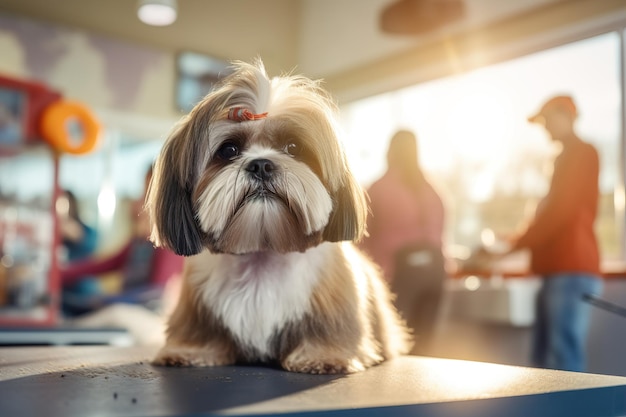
(463, 75)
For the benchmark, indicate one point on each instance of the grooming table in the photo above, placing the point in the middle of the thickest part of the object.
(119, 381)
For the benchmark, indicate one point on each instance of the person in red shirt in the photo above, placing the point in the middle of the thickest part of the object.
(145, 270)
(405, 228)
(563, 246)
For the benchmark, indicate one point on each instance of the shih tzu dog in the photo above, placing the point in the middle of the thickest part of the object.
(253, 186)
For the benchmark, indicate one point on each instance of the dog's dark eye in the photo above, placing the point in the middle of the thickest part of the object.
(228, 151)
(293, 149)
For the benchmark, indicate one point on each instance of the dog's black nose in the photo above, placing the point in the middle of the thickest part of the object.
(261, 169)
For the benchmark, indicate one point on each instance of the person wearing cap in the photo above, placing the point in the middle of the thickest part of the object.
(563, 246)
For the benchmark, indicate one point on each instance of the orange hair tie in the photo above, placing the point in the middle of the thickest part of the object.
(241, 114)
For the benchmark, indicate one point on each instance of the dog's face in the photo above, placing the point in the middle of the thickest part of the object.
(278, 181)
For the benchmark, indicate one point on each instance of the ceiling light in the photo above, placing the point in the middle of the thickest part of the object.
(157, 12)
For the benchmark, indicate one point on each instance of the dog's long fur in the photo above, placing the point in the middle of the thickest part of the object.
(261, 208)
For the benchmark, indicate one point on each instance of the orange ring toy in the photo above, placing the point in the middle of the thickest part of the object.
(69, 127)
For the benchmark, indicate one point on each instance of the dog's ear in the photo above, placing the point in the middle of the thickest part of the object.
(348, 218)
(169, 202)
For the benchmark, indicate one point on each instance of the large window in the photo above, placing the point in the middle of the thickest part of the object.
(490, 165)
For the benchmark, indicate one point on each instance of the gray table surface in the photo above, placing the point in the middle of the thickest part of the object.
(115, 381)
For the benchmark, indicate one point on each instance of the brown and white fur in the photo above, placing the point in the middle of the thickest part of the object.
(262, 208)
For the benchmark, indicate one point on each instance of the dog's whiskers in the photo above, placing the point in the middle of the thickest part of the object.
(237, 203)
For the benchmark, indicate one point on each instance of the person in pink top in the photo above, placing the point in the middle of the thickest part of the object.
(405, 229)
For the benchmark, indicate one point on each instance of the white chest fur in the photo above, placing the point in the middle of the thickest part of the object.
(257, 294)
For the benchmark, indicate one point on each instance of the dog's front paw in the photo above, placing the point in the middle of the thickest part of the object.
(193, 356)
(313, 359)
(328, 366)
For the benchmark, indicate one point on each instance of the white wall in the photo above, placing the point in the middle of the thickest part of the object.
(109, 76)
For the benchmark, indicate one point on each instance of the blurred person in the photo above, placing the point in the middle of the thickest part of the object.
(79, 241)
(563, 246)
(145, 269)
(405, 229)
